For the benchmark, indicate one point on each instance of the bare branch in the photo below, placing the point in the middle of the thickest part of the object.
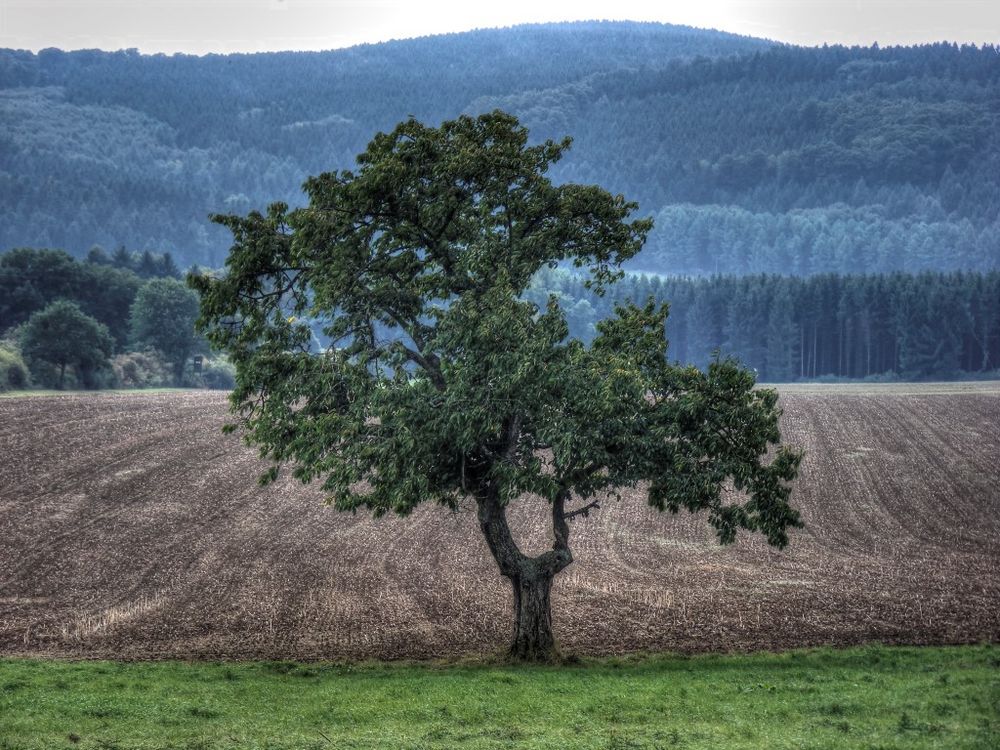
(584, 511)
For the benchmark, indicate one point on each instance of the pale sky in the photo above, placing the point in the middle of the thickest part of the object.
(201, 26)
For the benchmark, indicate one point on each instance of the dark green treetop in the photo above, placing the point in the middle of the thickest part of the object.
(63, 335)
(163, 316)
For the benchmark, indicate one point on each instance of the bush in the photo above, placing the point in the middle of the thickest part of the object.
(218, 374)
(13, 371)
(147, 369)
(883, 377)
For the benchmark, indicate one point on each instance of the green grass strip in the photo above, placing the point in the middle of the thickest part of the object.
(870, 697)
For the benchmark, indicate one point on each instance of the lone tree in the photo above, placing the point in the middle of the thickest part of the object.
(62, 334)
(441, 383)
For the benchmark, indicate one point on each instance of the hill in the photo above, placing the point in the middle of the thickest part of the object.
(130, 527)
(753, 157)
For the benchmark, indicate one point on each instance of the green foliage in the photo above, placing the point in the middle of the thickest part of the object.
(440, 380)
(106, 288)
(13, 371)
(31, 279)
(62, 335)
(884, 697)
(143, 369)
(163, 317)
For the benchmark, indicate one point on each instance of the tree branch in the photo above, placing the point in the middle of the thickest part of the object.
(560, 555)
(584, 511)
(513, 433)
(493, 523)
(559, 528)
(429, 364)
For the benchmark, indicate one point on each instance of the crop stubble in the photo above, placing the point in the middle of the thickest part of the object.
(130, 527)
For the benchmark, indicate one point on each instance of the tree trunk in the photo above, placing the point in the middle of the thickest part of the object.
(530, 577)
(533, 638)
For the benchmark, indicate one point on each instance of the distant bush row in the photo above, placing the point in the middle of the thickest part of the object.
(95, 324)
(138, 369)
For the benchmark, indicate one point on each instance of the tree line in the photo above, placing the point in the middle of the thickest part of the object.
(123, 320)
(887, 326)
(895, 326)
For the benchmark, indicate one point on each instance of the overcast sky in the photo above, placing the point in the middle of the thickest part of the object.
(201, 26)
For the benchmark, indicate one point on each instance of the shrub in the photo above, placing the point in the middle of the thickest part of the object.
(62, 336)
(13, 371)
(146, 369)
(219, 374)
(163, 317)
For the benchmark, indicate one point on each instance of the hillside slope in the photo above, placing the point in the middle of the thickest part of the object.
(128, 148)
(741, 149)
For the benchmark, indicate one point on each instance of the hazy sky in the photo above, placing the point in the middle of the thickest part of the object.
(200, 26)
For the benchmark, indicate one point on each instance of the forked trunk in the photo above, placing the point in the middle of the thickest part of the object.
(530, 577)
(533, 639)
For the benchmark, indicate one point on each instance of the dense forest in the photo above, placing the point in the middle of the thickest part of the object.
(878, 326)
(883, 326)
(752, 157)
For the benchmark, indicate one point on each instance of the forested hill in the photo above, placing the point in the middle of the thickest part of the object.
(753, 157)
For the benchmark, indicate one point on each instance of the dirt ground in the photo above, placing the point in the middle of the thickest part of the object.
(130, 527)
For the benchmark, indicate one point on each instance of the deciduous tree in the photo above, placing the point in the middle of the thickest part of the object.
(62, 335)
(163, 317)
(442, 383)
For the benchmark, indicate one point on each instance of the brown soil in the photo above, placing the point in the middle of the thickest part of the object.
(130, 527)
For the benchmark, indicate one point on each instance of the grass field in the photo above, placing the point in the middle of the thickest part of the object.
(869, 697)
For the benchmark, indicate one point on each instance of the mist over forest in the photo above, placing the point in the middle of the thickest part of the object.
(753, 158)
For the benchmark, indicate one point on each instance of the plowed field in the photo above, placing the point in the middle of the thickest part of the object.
(131, 527)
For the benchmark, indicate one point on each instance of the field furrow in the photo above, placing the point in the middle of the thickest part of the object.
(131, 527)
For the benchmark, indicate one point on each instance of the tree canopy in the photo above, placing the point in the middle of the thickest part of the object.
(439, 381)
(163, 317)
(62, 334)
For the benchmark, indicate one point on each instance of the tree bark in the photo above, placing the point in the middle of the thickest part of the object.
(531, 577)
(533, 638)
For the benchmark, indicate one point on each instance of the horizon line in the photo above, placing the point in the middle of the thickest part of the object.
(509, 27)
